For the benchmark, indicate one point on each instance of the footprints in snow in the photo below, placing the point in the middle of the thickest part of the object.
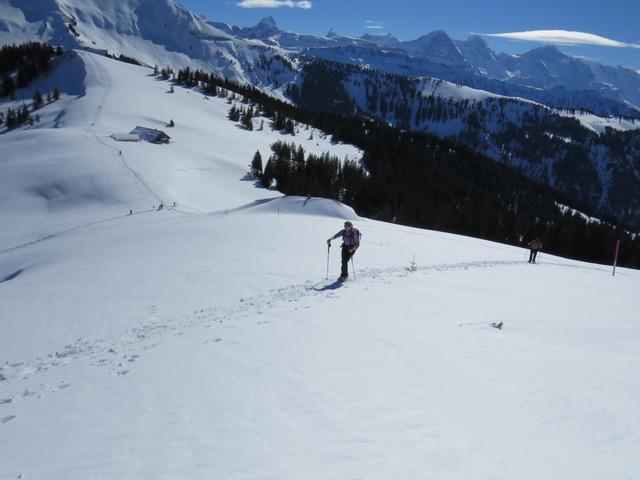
(149, 334)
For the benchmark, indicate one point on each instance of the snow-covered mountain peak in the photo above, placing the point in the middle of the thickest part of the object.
(267, 21)
(265, 28)
(476, 41)
(387, 40)
(331, 34)
(438, 36)
(475, 48)
(436, 46)
(545, 53)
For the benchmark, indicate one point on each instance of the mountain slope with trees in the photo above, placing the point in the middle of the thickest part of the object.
(417, 179)
(598, 170)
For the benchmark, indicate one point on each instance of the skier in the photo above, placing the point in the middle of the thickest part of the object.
(350, 243)
(535, 245)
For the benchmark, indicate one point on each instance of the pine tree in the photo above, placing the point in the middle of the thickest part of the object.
(234, 113)
(56, 94)
(8, 85)
(267, 175)
(247, 119)
(23, 115)
(290, 127)
(299, 160)
(256, 165)
(279, 121)
(12, 119)
(37, 100)
(24, 75)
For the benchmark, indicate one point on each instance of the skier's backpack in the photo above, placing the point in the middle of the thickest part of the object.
(354, 232)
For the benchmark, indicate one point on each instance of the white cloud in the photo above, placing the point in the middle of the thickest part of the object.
(372, 24)
(275, 4)
(564, 37)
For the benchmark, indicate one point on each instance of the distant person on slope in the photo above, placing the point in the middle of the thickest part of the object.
(350, 243)
(535, 246)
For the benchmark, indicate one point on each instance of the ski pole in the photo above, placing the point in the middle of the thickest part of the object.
(328, 247)
(353, 268)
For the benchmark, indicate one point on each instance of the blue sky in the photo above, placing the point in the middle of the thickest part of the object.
(616, 22)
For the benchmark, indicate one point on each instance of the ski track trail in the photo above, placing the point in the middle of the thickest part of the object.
(118, 156)
(117, 153)
(73, 229)
(27, 378)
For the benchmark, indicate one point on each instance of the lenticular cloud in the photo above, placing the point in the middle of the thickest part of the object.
(564, 37)
(274, 4)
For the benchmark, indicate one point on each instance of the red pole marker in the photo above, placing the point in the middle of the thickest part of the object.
(615, 259)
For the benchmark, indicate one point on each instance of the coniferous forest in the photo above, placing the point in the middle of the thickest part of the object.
(419, 180)
(19, 65)
(598, 168)
(28, 60)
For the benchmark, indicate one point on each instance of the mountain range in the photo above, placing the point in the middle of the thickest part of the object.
(159, 32)
(565, 121)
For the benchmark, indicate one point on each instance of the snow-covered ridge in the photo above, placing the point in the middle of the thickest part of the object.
(587, 218)
(600, 124)
(428, 86)
(459, 93)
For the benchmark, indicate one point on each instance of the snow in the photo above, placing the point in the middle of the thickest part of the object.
(203, 341)
(600, 124)
(587, 218)
(444, 89)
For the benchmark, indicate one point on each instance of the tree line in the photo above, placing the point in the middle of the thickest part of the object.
(544, 145)
(296, 172)
(22, 115)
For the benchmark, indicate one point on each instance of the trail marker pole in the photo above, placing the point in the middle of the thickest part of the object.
(615, 258)
(328, 247)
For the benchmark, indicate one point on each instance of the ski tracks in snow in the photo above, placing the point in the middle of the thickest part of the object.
(29, 379)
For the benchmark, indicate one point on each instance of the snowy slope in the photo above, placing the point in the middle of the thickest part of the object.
(204, 342)
(118, 97)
